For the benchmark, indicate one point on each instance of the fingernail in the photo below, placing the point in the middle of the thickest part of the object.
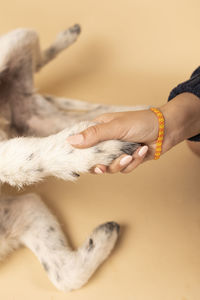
(75, 139)
(143, 151)
(125, 160)
(98, 170)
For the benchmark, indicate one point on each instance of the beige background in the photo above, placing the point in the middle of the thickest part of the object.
(130, 52)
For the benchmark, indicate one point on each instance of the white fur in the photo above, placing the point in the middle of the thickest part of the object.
(33, 133)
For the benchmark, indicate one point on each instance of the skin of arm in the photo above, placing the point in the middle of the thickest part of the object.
(182, 120)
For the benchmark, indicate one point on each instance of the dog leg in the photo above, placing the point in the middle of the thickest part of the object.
(9, 225)
(53, 114)
(63, 41)
(28, 160)
(17, 47)
(67, 104)
(70, 104)
(22, 45)
(25, 220)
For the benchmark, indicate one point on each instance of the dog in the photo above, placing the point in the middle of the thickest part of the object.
(33, 133)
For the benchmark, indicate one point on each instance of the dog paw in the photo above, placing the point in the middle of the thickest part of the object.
(68, 36)
(68, 162)
(102, 239)
(102, 153)
(75, 29)
(74, 273)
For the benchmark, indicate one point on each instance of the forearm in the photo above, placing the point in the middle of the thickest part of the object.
(182, 119)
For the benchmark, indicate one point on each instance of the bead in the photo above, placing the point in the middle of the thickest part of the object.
(160, 138)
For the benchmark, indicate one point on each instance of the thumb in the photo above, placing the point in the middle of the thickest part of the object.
(94, 135)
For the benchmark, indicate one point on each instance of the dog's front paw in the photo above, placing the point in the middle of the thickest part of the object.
(103, 153)
(66, 162)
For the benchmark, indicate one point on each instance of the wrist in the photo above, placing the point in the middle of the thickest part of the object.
(182, 119)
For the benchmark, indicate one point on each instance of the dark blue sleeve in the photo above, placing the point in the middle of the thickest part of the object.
(190, 86)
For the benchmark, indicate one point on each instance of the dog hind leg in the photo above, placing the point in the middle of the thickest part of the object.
(21, 43)
(25, 220)
(63, 40)
(35, 227)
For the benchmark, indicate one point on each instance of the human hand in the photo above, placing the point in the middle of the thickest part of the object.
(181, 122)
(131, 126)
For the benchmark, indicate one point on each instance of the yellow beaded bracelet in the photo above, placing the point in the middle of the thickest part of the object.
(160, 138)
